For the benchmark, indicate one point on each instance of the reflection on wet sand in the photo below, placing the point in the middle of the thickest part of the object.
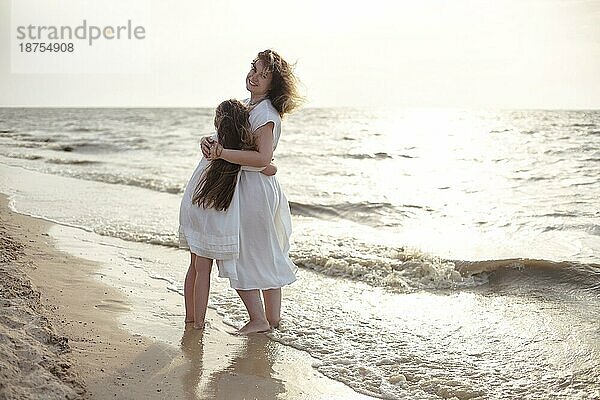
(245, 372)
(193, 348)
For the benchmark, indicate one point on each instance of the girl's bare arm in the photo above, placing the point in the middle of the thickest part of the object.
(270, 170)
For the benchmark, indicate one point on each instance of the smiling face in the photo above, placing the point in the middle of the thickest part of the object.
(258, 80)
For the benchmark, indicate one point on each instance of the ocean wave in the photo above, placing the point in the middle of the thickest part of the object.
(400, 269)
(88, 147)
(72, 162)
(157, 185)
(85, 129)
(375, 156)
(66, 147)
(337, 210)
(156, 238)
(26, 137)
(580, 125)
(560, 214)
(374, 214)
(532, 178)
(405, 269)
(63, 147)
(592, 229)
(28, 145)
(23, 156)
(574, 278)
(542, 266)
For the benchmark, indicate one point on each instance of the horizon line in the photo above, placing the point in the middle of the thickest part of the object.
(498, 108)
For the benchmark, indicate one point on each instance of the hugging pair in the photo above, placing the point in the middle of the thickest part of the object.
(233, 209)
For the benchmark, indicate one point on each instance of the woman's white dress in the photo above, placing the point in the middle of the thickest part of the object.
(251, 239)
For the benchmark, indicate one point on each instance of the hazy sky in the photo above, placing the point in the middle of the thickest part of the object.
(509, 54)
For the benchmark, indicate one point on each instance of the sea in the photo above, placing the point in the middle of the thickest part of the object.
(442, 253)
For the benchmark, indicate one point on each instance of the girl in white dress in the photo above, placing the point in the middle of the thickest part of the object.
(258, 260)
(209, 214)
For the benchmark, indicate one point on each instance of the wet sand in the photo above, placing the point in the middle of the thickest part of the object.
(65, 338)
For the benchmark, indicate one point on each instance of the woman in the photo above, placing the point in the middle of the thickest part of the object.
(262, 263)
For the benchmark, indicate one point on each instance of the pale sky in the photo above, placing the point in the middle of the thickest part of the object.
(506, 54)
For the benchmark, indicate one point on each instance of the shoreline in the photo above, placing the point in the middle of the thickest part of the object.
(103, 360)
(67, 291)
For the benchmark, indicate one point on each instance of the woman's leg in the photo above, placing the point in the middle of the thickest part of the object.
(202, 266)
(272, 306)
(188, 290)
(258, 322)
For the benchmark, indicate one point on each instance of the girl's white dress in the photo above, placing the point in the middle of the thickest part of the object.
(251, 239)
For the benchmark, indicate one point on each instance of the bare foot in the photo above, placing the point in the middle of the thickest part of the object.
(274, 324)
(199, 326)
(254, 327)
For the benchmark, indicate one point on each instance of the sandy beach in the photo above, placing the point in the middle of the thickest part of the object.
(62, 339)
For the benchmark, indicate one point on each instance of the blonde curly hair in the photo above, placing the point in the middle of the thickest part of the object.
(284, 94)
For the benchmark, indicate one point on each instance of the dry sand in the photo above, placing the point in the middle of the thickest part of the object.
(59, 338)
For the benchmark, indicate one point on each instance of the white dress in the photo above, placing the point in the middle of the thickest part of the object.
(251, 239)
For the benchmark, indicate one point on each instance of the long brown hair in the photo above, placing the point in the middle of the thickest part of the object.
(284, 94)
(217, 184)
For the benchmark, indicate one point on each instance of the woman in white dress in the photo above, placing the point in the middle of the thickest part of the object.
(255, 256)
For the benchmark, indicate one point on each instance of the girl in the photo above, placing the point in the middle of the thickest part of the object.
(209, 214)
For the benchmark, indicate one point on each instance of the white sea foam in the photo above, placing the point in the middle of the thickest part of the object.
(401, 269)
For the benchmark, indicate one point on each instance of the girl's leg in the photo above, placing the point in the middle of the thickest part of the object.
(202, 266)
(258, 322)
(272, 306)
(188, 290)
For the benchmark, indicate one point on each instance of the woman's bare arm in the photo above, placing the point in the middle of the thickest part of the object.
(206, 142)
(260, 158)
